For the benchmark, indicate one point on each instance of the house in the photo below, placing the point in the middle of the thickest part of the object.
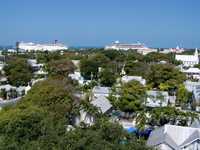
(196, 94)
(194, 87)
(126, 79)
(84, 117)
(157, 99)
(102, 103)
(190, 85)
(99, 99)
(189, 60)
(10, 92)
(101, 91)
(173, 50)
(34, 65)
(78, 77)
(192, 72)
(171, 137)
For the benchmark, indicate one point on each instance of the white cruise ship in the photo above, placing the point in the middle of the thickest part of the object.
(140, 48)
(40, 47)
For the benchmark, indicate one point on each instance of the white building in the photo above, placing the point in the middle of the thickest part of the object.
(140, 48)
(194, 87)
(78, 77)
(41, 47)
(126, 79)
(190, 85)
(189, 60)
(171, 137)
(173, 50)
(157, 99)
(192, 73)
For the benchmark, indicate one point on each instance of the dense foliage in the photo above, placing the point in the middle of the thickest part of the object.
(40, 121)
(131, 97)
(60, 67)
(137, 68)
(165, 77)
(18, 71)
(166, 115)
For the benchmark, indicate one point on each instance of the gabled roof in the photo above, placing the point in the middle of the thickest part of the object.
(100, 90)
(102, 103)
(174, 136)
(156, 93)
(192, 70)
(193, 137)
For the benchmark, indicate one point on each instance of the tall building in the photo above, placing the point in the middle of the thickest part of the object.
(41, 47)
(189, 60)
(140, 48)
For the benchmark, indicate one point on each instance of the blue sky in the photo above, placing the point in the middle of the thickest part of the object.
(157, 23)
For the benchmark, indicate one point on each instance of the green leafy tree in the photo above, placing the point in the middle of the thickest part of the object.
(3, 94)
(46, 57)
(169, 115)
(136, 68)
(183, 96)
(12, 93)
(40, 121)
(60, 67)
(132, 97)
(89, 66)
(18, 71)
(156, 57)
(165, 76)
(107, 77)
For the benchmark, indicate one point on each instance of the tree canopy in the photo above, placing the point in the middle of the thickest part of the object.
(40, 120)
(136, 68)
(165, 77)
(60, 67)
(18, 71)
(131, 97)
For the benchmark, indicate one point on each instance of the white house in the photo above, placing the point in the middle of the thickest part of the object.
(189, 60)
(19, 91)
(192, 73)
(84, 117)
(99, 98)
(34, 64)
(171, 137)
(126, 79)
(190, 85)
(78, 77)
(157, 99)
(101, 91)
(102, 103)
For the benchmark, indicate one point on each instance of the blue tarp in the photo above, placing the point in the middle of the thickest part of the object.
(131, 130)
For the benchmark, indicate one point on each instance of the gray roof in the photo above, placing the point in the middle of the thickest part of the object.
(102, 103)
(155, 93)
(194, 136)
(101, 90)
(195, 124)
(175, 137)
